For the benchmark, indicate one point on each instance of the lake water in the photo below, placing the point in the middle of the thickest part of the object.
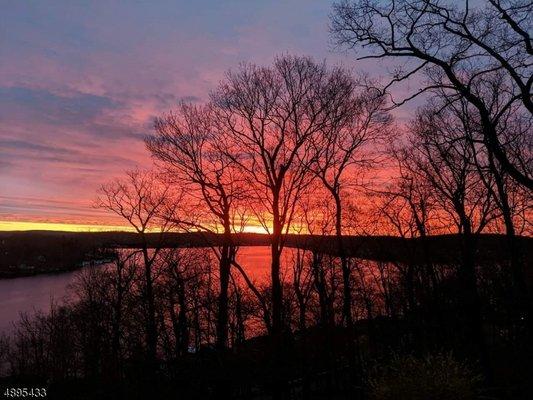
(30, 294)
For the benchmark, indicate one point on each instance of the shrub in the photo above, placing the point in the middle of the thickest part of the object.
(434, 377)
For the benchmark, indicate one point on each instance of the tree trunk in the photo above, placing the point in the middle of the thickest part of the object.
(521, 299)
(117, 320)
(224, 273)
(151, 325)
(183, 331)
(319, 281)
(277, 291)
(470, 296)
(345, 266)
(241, 333)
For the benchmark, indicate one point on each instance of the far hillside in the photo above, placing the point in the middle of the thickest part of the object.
(33, 252)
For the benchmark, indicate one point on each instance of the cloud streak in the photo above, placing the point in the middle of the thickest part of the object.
(83, 84)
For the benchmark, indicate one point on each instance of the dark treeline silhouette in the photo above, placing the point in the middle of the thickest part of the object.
(97, 345)
(99, 245)
(298, 148)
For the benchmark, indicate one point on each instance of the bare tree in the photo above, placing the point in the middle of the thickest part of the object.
(406, 204)
(316, 216)
(272, 115)
(507, 194)
(440, 154)
(189, 148)
(359, 119)
(455, 48)
(140, 199)
(120, 280)
(182, 273)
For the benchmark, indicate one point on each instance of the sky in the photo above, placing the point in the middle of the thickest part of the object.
(82, 81)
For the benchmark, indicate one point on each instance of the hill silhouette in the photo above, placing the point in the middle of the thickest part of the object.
(53, 251)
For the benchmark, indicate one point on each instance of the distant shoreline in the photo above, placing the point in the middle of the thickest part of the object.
(56, 251)
(4, 275)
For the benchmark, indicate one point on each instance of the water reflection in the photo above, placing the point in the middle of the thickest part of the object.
(30, 294)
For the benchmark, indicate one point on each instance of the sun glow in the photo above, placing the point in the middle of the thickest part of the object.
(73, 227)
(58, 226)
(255, 229)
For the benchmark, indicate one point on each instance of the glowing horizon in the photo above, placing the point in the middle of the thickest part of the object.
(79, 95)
(21, 226)
(59, 226)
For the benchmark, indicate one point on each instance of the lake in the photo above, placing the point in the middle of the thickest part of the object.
(30, 294)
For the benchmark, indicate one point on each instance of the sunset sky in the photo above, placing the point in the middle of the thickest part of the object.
(81, 82)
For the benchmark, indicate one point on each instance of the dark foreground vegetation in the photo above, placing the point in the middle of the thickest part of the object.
(408, 334)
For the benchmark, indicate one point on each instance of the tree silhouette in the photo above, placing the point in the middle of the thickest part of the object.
(141, 199)
(187, 145)
(359, 119)
(440, 154)
(455, 48)
(270, 117)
